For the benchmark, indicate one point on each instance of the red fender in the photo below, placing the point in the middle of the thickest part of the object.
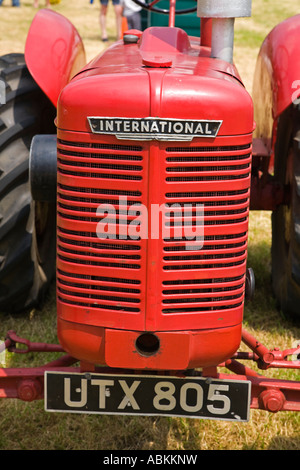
(54, 52)
(276, 82)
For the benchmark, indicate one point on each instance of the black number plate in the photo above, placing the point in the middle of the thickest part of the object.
(192, 397)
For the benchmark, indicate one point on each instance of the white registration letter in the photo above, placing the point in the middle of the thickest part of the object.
(214, 395)
(199, 397)
(67, 393)
(129, 398)
(164, 399)
(102, 384)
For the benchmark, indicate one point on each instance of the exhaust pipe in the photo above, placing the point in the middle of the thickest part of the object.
(223, 14)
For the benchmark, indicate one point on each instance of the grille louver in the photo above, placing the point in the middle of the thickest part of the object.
(114, 276)
(86, 174)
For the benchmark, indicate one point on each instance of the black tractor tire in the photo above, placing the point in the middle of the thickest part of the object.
(27, 229)
(286, 219)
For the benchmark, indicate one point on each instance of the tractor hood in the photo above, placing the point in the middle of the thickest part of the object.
(164, 74)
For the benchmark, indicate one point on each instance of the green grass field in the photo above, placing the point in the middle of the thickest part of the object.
(26, 426)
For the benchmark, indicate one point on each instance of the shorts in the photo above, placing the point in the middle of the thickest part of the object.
(134, 21)
(105, 2)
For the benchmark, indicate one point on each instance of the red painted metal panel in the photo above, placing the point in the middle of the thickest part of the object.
(54, 52)
(178, 281)
(104, 276)
(275, 87)
(278, 67)
(115, 289)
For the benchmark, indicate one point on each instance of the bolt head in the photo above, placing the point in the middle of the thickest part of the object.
(29, 390)
(272, 400)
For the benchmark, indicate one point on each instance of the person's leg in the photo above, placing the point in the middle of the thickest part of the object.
(103, 12)
(118, 12)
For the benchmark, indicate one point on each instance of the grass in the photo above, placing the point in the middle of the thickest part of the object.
(26, 426)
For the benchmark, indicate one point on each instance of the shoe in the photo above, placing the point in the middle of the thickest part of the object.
(104, 39)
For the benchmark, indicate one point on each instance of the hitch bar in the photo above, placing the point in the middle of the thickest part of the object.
(268, 394)
(12, 339)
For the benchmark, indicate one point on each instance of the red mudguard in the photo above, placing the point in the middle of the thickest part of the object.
(54, 52)
(277, 76)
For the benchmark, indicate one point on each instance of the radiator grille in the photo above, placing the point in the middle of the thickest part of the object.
(93, 272)
(197, 187)
(223, 175)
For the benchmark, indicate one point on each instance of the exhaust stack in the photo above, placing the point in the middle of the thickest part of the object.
(223, 14)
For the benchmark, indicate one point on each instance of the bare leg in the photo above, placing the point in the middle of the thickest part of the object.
(118, 12)
(103, 11)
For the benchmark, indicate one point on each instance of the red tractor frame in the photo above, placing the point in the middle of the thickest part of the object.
(275, 173)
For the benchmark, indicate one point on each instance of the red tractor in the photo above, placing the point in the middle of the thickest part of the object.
(158, 155)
